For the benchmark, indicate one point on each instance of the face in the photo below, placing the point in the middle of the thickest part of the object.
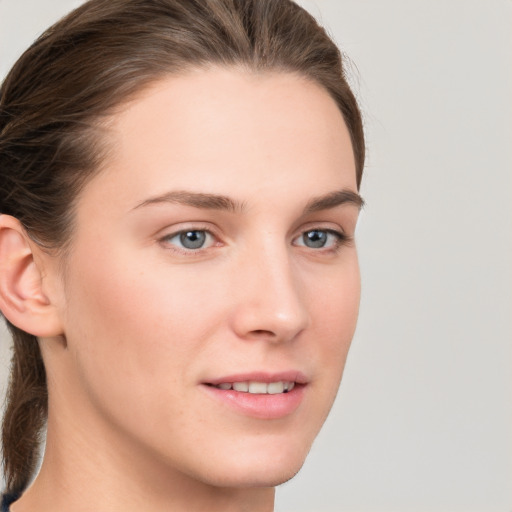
(212, 288)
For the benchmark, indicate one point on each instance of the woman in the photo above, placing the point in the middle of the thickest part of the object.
(178, 199)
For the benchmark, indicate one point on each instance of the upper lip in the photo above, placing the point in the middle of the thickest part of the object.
(261, 376)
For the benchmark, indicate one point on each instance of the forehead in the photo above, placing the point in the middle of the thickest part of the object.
(208, 129)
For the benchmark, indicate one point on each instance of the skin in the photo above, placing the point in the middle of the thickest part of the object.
(143, 323)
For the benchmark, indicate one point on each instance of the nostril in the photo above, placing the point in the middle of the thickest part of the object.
(262, 332)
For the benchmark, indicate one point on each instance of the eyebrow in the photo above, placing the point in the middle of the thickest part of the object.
(333, 199)
(220, 202)
(196, 200)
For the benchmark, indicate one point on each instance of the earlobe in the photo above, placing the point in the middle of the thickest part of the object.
(22, 298)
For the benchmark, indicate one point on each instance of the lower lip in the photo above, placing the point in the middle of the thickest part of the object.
(264, 406)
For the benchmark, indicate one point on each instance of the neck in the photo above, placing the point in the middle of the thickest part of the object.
(82, 471)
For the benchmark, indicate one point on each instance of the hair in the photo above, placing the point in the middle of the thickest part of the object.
(75, 75)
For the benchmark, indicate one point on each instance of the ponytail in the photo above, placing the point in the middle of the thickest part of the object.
(25, 412)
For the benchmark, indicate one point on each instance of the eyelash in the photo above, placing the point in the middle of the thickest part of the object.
(340, 239)
(166, 240)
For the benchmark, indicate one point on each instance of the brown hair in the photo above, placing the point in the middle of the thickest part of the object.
(52, 103)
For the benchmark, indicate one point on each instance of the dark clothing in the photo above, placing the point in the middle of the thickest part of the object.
(7, 500)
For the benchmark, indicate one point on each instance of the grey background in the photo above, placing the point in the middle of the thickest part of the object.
(423, 421)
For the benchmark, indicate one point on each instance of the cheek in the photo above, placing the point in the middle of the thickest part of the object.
(334, 312)
(137, 334)
(334, 302)
(135, 323)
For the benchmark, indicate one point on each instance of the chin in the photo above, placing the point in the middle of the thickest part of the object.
(264, 477)
(267, 469)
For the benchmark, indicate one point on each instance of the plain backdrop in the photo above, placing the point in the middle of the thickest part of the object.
(423, 420)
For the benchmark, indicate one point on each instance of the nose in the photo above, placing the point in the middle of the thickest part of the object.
(270, 301)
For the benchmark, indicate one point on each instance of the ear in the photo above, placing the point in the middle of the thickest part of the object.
(22, 298)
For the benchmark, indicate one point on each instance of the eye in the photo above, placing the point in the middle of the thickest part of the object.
(320, 239)
(190, 239)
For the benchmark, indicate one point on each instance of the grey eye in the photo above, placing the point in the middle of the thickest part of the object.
(320, 239)
(315, 238)
(192, 239)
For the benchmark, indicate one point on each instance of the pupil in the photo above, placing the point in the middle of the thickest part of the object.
(193, 239)
(315, 238)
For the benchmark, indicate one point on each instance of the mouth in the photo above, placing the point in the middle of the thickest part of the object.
(257, 388)
(259, 395)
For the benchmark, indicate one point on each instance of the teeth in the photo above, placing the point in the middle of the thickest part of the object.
(258, 388)
(241, 386)
(288, 386)
(275, 387)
